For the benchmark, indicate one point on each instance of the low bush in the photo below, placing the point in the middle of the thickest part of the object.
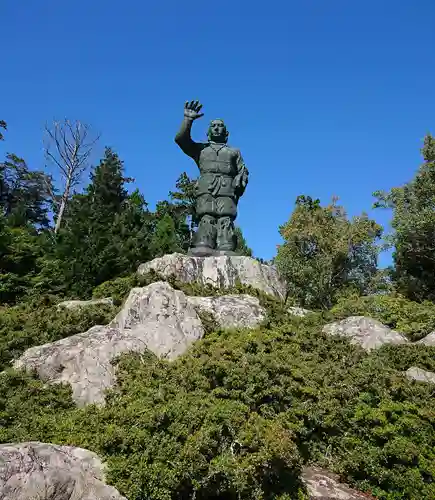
(117, 288)
(238, 415)
(24, 326)
(414, 319)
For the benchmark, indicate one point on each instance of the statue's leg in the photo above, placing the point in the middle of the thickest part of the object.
(204, 240)
(226, 211)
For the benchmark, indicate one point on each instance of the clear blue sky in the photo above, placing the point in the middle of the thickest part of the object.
(322, 97)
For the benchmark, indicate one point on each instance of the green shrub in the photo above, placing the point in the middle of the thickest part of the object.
(29, 409)
(22, 326)
(238, 415)
(118, 288)
(240, 412)
(413, 319)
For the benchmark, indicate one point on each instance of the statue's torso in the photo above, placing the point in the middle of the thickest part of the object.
(218, 167)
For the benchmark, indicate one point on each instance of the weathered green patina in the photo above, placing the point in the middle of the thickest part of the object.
(222, 181)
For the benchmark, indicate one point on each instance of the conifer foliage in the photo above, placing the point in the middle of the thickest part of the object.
(413, 225)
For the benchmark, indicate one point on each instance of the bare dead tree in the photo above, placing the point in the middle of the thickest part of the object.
(68, 146)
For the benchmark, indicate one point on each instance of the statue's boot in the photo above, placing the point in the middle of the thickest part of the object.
(204, 240)
(226, 237)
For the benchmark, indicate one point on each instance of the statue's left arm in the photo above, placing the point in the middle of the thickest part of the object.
(241, 179)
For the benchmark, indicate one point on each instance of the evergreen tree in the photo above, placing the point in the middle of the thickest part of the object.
(23, 193)
(165, 239)
(3, 126)
(105, 233)
(184, 200)
(413, 224)
(182, 234)
(242, 247)
(24, 207)
(19, 253)
(324, 253)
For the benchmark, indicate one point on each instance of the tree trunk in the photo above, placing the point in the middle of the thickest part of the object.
(62, 207)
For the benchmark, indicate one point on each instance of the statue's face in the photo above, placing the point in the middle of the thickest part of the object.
(217, 131)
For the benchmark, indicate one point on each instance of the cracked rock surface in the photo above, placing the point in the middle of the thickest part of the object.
(42, 471)
(77, 304)
(324, 485)
(366, 332)
(156, 318)
(231, 311)
(420, 375)
(220, 272)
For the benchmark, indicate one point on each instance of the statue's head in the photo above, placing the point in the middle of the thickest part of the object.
(217, 131)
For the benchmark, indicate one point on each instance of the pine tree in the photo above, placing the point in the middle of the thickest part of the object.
(242, 246)
(3, 126)
(182, 233)
(24, 195)
(165, 239)
(105, 232)
(413, 226)
(184, 199)
(20, 251)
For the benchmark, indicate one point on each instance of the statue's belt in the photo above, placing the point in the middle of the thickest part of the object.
(217, 183)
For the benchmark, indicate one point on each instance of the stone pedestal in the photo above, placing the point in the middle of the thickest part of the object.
(219, 271)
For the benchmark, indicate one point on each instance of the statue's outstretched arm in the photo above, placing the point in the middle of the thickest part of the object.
(183, 137)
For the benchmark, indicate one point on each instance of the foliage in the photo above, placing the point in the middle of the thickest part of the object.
(237, 415)
(324, 252)
(24, 195)
(19, 254)
(117, 288)
(413, 224)
(184, 199)
(105, 234)
(3, 126)
(414, 319)
(30, 324)
(30, 406)
(165, 239)
(242, 246)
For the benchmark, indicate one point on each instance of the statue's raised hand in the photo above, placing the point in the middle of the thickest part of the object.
(192, 110)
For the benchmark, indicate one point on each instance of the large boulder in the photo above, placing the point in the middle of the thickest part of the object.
(428, 340)
(298, 311)
(231, 311)
(155, 318)
(40, 471)
(420, 375)
(324, 485)
(366, 332)
(44, 471)
(78, 304)
(219, 272)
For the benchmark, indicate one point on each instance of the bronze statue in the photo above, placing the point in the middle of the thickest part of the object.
(222, 181)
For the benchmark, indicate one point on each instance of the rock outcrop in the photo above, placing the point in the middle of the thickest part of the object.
(323, 485)
(77, 304)
(155, 318)
(40, 471)
(415, 373)
(220, 272)
(366, 332)
(298, 311)
(44, 471)
(428, 340)
(231, 311)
